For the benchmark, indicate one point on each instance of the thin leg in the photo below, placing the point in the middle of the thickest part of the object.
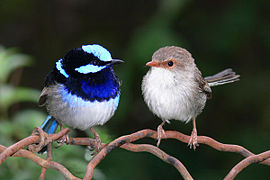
(193, 138)
(98, 140)
(60, 125)
(160, 132)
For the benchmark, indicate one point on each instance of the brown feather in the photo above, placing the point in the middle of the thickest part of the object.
(43, 97)
(203, 85)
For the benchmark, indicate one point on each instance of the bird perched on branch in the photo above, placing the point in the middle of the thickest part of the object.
(174, 88)
(81, 91)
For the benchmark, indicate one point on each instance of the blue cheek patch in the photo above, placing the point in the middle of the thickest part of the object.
(89, 68)
(98, 51)
(60, 69)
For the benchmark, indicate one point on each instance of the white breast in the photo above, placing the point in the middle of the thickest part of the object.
(76, 112)
(172, 96)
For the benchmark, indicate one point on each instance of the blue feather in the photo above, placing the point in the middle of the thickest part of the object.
(50, 125)
(98, 51)
(60, 69)
(102, 86)
(103, 91)
(89, 68)
(116, 101)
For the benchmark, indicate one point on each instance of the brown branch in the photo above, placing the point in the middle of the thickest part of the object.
(41, 162)
(48, 158)
(152, 134)
(246, 162)
(116, 143)
(85, 141)
(112, 145)
(179, 136)
(138, 148)
(160, 154)
(124, 142)
(30, 140)
(17, 146)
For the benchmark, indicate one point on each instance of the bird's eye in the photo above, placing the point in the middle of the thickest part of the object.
(170, 63)
(94, 62)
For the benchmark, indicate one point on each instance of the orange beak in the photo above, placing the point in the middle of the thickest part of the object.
(153, 64)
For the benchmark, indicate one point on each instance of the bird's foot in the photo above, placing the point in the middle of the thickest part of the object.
(193, 139)
(62, 140)
(160, 133)
(44, 140)
(95, 149)
(98, 143)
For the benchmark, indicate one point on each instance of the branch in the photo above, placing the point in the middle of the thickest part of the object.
(160, 154)
(48, 158)
(41, 162)
(39, 139)
(17, 146)
(246, 162)
(35, 140)
(153, 134)
(180, 137)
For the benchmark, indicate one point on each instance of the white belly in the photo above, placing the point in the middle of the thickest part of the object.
(77, 113)
(171, 97)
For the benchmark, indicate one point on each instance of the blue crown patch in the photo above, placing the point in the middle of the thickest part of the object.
(98, 51)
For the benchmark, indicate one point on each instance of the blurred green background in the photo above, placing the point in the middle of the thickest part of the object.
(220, 34)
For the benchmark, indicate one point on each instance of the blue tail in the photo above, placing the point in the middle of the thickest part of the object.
(49, 126)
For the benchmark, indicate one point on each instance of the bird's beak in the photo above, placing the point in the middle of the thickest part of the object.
(115, 61)
(153, 64)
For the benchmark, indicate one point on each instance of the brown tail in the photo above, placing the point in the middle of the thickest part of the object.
(223, 77)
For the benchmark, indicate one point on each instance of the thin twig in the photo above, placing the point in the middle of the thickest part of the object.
(112, 145)
(124, 142)
(33, 139)
(181, 137)
(160, 154)
(42, 162)
(246, 162)
(48, 158)
(169, 135)
(17, 146)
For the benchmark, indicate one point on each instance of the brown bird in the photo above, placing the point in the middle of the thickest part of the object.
(174, 88)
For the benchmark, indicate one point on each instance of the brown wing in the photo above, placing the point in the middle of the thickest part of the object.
(43, 97)
(203, 85)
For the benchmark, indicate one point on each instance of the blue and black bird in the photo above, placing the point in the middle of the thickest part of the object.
(82, 90)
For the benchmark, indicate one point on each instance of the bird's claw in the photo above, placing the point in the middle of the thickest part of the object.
(160, 133)
(193, 140)
(98, 144)
(44, 140)
(62, 140)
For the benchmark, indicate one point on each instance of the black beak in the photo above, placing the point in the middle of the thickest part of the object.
(114, 61)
